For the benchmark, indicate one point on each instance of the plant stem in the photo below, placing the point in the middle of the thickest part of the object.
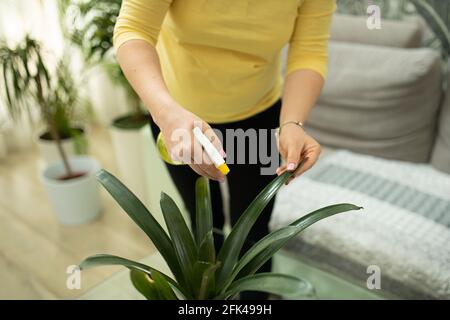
(53, 130)
(56, 137)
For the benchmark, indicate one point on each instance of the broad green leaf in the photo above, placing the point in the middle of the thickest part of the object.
(229, 253)
(204, 279)
(110, 260)
(204, 220)
(145, 285)
(154, 287)
(144, 219)
(275, 283)
(206, 250)
(300, 225)
(261, 245)
(164, 287)
(182, 240)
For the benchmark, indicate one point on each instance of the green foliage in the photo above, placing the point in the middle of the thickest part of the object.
(198, 272)
(28, 84)
(90, 26)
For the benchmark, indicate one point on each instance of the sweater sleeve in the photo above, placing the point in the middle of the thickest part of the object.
(308, 47)
(140, 20)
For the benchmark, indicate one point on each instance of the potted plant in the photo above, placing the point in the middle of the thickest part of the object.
(198, 271)
(62, 113)
(29, 85)
(90, 26)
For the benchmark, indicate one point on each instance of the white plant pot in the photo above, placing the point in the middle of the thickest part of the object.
(108, 99)
(128, 147)
(75, 201)
(49, 150)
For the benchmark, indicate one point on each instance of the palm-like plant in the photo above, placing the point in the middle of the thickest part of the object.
(26, 82)
(200, 273)
(90, 26)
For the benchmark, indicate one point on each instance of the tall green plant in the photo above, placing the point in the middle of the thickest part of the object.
(198, 272)
(90, 26)
(27, 84)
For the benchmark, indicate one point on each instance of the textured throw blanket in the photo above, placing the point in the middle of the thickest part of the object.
(404, 228)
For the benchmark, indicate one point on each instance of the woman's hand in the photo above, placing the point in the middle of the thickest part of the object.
(294, 146)
(176, 127)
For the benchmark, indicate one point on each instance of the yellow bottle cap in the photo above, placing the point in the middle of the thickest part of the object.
(224, 169)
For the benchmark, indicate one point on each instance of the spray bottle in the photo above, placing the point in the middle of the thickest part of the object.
(209, 148)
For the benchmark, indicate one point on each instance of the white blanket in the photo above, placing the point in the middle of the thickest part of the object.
(404, 228)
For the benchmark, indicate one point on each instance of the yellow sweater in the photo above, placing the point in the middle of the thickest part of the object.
(221, 58)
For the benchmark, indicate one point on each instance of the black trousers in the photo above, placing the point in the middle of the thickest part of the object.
(245, 180)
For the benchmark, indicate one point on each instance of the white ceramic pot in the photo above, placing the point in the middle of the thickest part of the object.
(108, 100)
(128, 147)
(49, 150)
(75, 201)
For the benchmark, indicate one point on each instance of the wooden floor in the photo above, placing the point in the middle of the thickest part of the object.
(35, 250)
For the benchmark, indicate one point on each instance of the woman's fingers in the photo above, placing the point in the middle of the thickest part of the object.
(210, 169)
(308, 150)
(203, 163)
(312, 155)
(281, 169)
(201, 172)
(293, 155)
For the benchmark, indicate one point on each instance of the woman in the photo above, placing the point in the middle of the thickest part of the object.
(201, 62)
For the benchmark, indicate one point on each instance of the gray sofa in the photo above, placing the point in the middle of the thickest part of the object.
(384, 120)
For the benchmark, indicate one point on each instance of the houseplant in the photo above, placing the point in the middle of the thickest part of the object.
(29, 86)
(60, 113)
(200, 273)
(90, 26)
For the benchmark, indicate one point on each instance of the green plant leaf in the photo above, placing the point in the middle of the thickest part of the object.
(204, 279)
(229, 253)
(208, 283)
(144, 219)
(275, 283)
(206, 250)
(300, 224)
(154, 287)
(204, 221)
(266, 242)
(183, 243)
(145, 285)
(164, 288)
(110, 260)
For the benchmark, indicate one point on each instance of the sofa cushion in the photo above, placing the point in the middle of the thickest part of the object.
(403, 34)
(380, 101)
(404, 228)
(440, 157)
